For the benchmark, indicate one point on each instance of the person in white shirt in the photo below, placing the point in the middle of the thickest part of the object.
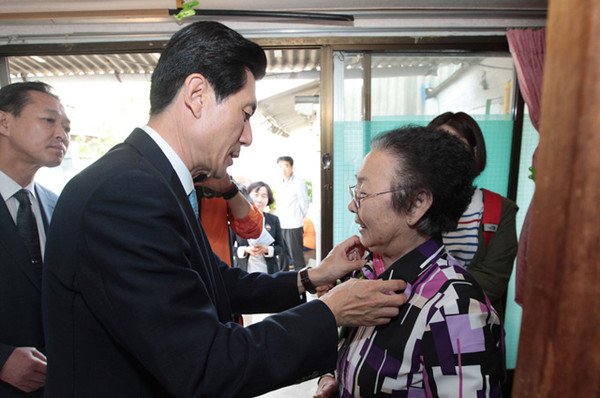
(292, 207)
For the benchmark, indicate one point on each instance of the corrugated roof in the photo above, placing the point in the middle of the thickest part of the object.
(279, 110)
(97, 64)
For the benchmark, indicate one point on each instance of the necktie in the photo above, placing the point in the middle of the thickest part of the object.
(194, 201)
(28, 227)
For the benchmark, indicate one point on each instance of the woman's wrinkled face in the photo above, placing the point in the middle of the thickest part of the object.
(381, 228)
(260, 197)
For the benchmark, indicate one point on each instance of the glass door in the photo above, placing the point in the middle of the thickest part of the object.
(377, 92)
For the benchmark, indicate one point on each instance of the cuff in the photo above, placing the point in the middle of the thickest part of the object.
(270, 251)
(241, 252)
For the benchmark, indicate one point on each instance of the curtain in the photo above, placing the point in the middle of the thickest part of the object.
(527, 47)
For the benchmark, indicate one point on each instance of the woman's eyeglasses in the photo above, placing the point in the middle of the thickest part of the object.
(356, 197)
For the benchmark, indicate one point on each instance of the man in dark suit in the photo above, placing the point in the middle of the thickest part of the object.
(34, 132)
(135, 302)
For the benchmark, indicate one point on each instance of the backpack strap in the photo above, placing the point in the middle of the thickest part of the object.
(492, 208)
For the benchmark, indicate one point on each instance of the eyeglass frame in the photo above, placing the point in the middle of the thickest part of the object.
(356, 199)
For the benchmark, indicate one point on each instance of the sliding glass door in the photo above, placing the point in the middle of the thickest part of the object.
(376, 92)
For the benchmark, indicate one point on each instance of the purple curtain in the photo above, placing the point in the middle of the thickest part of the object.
(527, 47)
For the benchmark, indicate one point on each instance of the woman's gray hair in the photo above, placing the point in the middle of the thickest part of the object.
(434, 161)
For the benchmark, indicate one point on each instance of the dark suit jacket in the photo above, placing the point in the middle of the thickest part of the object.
(272, 225)
(20, 290)
(136, 304)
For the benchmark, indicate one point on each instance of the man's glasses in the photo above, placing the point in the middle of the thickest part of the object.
(357, 198)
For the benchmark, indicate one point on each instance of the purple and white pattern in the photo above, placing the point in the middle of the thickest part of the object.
(446, 342)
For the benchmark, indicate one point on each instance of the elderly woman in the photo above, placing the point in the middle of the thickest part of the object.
(446, 342)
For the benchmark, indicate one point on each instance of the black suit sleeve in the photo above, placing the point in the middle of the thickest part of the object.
(5, 351)
(151, 283)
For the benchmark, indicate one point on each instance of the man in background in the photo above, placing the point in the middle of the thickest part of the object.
(34, 133)
(292, 207)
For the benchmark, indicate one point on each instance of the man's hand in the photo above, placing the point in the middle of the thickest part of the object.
(344, 258)
(327, 387)
(361, 302)
(216, 184)
(25, 369)
(238, 204)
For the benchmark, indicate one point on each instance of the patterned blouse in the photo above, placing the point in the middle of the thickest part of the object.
(446, 342)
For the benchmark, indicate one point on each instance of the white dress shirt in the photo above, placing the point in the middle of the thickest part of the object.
(182, 172)
(292, 202)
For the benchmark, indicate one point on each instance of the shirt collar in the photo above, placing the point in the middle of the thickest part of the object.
(182, 172)
(289, 180)
(8, 187)
(412, 265)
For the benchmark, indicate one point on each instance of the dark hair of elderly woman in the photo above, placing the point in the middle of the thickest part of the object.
(466, 128)
(429, 160)
(412, 186)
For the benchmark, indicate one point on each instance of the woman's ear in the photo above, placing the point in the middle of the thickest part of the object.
(420, 205)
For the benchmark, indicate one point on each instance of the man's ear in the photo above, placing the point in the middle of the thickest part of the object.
(419, 207)
(195, 93)
(4, 123)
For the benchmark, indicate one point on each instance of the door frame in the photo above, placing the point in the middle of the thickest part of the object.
(464, 45)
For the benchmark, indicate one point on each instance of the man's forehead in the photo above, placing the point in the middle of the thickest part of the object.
(39, 96)
(46, 100)
(49, 103)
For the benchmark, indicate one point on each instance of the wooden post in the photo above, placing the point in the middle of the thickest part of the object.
(559, 349)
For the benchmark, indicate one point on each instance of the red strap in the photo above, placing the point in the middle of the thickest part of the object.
(492, 208)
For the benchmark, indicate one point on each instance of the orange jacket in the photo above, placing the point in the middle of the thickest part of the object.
(310, 236)
(216, 219)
